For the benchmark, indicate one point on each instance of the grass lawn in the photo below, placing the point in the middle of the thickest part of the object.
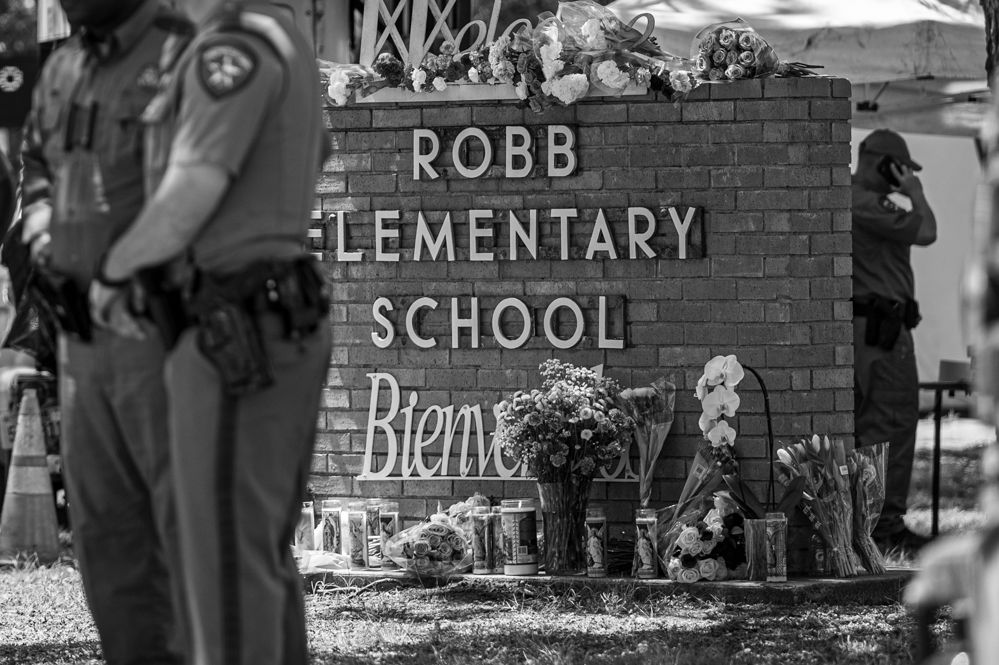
(45, 620)
(44, 617)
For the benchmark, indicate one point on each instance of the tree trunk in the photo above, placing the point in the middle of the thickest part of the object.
(991, 8)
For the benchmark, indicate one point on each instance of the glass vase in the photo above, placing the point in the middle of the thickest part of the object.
(563, 508)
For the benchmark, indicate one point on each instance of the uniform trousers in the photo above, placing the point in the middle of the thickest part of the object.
(886, 408)
(116, 462)
(242, 469)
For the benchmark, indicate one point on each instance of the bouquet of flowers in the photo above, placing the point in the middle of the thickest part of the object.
(651, 408)
(556, 62)
(716, 391)
(867, 467)
(827, 499)
(434, 549)
(733, 50)
(712, 548)
(569, 427)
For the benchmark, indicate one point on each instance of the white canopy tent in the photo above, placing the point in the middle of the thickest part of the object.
(918, 64)
(918, 67)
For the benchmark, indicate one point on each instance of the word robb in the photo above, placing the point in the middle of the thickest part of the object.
(519, 149)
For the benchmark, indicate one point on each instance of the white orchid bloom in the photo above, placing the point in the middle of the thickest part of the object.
(714, 371)
(702, 387)
(722, 435)
(734, 373)
(721, 401)
(706, 422)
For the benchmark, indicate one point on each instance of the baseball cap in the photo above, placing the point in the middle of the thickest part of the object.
(887, 142)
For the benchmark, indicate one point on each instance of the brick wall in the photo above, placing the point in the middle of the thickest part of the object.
(767, 278)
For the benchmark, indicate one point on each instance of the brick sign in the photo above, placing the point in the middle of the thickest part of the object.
(470, 241)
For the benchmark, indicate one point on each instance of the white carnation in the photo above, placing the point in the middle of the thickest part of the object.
(521, 90)
(570, 88)
(473, 75)
(419, 78)
(337, 89)
(440, 84)
(611, 75)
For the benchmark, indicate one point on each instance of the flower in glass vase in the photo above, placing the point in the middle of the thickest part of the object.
(564, 433)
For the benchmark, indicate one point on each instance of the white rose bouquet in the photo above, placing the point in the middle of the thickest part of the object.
(711, 548)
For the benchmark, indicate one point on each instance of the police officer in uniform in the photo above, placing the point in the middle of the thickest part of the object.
(886, 385)
(82, 186)
(236, 140)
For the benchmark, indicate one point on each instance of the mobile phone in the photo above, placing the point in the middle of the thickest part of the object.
(884, 168)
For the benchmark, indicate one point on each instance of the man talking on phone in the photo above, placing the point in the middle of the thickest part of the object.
(890, 215)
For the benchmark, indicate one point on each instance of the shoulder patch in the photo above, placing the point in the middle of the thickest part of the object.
(225, 67)
(888, 205)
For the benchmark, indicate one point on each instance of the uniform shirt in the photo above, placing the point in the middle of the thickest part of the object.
(250, 105)
(883, 234)
(87, 162)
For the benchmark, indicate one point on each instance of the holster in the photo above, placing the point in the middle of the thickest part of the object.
(229, 338)
(227, 309)
(885, 318)
(67, 300)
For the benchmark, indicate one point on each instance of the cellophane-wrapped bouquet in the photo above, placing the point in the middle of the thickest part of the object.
(827, 498)
(733, 50)
(555, 62)
(433, 549)
(716, 390)
(711, 548)
(867, 466)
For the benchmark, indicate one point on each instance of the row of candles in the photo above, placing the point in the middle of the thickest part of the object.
(503, 539)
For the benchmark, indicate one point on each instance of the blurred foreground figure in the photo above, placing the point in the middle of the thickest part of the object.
(82, 186)
(963, 570)
(235, 140)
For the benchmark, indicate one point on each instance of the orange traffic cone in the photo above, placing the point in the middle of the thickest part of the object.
(28, 522)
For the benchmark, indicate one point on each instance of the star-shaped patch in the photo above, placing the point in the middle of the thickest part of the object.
(148, 78)
(225, 68)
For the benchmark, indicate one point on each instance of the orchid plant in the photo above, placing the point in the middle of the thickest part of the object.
(716, 392)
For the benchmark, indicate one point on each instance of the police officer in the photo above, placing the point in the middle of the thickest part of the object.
(236, 143)
(82, 186)
(886, 385)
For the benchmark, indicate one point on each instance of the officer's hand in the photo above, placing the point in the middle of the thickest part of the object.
(908, 183)
(109, 309)
(122, 322)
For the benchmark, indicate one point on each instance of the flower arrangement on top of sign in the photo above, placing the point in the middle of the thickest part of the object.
(585, 48)
(733, 50)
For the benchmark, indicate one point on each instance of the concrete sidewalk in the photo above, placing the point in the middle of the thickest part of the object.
(866, 590)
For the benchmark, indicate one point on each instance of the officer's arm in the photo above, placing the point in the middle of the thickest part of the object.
(178, 210)
(911, 187)
(878, 215)
(220, 118)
